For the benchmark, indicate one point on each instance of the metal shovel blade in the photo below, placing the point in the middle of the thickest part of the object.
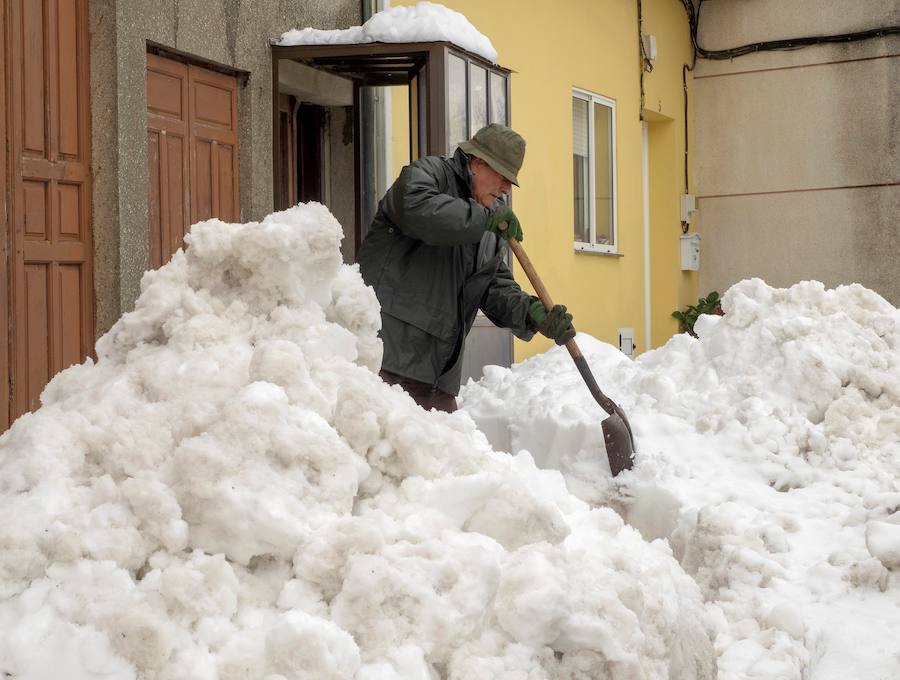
(617, 436)
(619, 443)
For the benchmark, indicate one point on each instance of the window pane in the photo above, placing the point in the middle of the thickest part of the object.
(581, 168)
(603, 186)
(456, 103)
(498, 99)
(477, 97)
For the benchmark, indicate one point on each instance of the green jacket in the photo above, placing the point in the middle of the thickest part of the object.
(433, 266)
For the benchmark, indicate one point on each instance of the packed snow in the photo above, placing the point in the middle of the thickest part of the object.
(423, 22)
(769, 460)
(231, 492)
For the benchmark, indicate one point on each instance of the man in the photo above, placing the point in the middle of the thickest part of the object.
(434, 256)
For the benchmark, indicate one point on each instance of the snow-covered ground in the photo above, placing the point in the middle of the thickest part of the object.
(769, 459)
(231, 492)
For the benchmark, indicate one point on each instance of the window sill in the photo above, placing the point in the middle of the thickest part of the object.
(593, 249)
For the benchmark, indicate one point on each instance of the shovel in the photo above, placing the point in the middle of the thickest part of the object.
(616, 430)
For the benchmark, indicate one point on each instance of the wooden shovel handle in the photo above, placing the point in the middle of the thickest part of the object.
(617, 436)
(539, 286)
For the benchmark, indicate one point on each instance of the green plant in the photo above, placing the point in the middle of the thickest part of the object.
(711, 304)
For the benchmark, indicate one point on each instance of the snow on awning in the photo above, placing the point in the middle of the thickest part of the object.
(425, 22)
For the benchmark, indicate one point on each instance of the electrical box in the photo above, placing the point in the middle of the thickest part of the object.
(688, 207)
(690, 252)
(649, 45)
(626, 341)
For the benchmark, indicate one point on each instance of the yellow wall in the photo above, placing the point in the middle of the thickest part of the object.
(591, 45)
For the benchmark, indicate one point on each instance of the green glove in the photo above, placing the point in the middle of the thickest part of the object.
(505, 215)
(556, 325)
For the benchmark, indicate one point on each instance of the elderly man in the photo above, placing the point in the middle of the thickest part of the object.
(435, 256)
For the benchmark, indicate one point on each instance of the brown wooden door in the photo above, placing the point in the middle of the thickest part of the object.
(191, 149)
(48, 235)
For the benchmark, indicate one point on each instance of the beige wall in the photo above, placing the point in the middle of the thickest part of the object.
(797, 155)
(230, 33)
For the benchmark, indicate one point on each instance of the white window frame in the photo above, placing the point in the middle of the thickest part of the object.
(611, 248)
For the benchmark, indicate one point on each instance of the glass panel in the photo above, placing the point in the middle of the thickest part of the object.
(581, 168)
(498, 99)
(456, 102)
(477, 98)
(603, 186)
(422, 91)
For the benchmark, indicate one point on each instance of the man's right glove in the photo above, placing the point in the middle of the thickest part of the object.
(555, 324)
(513, 228)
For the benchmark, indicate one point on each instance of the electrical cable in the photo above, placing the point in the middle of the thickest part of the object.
(646, 64)
(772, 45)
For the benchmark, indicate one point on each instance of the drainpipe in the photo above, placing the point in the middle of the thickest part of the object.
(645, 184)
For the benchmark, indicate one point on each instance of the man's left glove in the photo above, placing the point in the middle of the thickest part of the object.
(513, 228)
(555, 324)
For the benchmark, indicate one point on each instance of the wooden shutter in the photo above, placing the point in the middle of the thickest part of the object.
(49, 190)
(192, 151)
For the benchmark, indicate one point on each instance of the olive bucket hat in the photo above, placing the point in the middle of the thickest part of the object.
(500, 147)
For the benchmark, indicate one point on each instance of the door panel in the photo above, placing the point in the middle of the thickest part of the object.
(191, 151)
(68, 283)
(48, 237)
(34, 333)
(203, 173)
(69, 56)
(213, 144)
(30, 30)
(167, 129)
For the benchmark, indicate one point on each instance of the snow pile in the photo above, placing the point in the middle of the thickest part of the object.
(424, 22)
(769, 458)
(231, 492)
(812, 374)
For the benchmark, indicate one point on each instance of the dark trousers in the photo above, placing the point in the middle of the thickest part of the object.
(425, 395)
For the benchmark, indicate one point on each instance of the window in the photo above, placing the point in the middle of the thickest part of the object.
(476, 96)
(594, 172)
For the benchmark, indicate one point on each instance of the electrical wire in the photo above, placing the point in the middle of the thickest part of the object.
(772, 45)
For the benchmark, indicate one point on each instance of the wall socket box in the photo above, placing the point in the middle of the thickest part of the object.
(688, 207)
(626, 341)
(690, 252)
(649, 45)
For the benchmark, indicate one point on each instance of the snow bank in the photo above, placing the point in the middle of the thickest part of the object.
(231, 492)
(768, 457)
(424, 22)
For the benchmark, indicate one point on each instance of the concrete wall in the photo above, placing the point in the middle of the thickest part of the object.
(231, 33)
(797, 154)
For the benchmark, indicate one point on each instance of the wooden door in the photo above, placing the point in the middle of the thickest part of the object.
(192, 151)
(48, 235)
